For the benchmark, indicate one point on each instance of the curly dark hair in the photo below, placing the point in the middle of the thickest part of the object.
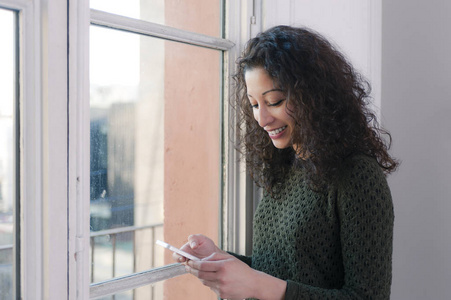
(328, 101)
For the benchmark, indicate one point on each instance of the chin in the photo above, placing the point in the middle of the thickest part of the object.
(281, 145)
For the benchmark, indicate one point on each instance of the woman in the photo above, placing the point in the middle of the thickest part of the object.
(324, 227)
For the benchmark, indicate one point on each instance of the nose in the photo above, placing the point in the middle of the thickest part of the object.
(263, 116)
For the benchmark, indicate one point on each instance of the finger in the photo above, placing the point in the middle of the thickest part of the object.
(217, 256)
(186, 247)
(206, 266)
(203, 275)
(195, 240)
(178, 258)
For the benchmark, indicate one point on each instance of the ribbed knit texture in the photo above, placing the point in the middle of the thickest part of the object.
(331, 245)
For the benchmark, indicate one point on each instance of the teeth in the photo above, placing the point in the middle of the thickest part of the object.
(277, 131)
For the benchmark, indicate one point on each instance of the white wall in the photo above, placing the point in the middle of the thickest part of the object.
(416, 106)
(352, 25)
(404, 48)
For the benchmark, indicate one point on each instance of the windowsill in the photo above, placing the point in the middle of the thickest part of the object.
(128, 282)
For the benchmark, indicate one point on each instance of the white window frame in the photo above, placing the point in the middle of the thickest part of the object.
(79, 149)
(243, 21)
(54, 156)
(43, 144)
(146, 28)
(161, 31)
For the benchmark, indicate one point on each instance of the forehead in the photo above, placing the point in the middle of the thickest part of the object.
(257, 79)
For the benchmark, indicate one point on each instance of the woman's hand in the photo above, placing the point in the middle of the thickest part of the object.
(231, 278)
(225, 275)
(199, 246)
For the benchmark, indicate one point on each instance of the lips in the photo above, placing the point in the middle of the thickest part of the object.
(276, 131)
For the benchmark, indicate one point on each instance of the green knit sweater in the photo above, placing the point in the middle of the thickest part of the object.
(331, 245)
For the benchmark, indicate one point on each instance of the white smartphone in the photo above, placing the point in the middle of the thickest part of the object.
(177, 250)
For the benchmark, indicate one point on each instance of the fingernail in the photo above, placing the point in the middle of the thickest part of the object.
(193, 244)
(180, 259)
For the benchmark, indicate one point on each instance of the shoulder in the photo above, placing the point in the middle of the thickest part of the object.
(363, 191)
(362, 175)
(360, 167)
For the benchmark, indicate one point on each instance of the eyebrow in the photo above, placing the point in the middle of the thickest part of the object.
(269, 91)
(272, 90)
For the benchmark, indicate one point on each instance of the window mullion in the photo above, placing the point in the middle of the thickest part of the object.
(78, 149)
(239, 188)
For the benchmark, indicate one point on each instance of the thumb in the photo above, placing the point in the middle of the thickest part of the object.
(218, 256)
(195, 240)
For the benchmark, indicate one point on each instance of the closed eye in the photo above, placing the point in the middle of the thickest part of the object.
(277, 103)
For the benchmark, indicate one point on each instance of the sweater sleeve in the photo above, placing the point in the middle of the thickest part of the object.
(365, 210)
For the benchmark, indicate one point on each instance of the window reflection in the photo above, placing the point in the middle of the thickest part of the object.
(7, 153)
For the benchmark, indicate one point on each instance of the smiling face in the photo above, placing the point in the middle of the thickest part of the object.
(269, 105)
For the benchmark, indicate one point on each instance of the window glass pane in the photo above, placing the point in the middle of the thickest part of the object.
(155, 154)
(7, 153)
(201, 16)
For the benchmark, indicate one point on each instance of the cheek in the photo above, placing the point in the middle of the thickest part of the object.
(290, 121)
(255, 115)
(288, 116)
